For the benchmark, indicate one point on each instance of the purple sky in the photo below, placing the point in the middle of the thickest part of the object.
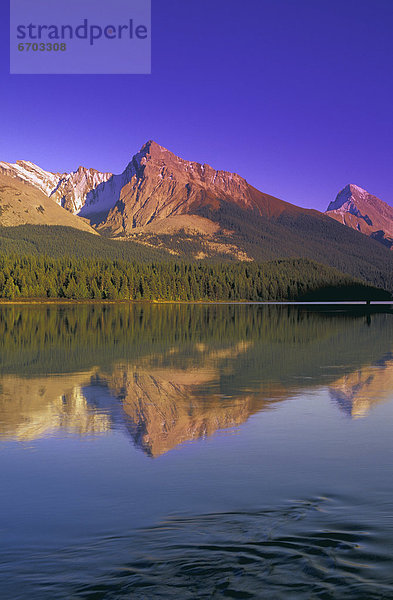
(295, 95)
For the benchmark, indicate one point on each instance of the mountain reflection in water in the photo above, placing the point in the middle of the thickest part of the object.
(171, 374)
(110, 489)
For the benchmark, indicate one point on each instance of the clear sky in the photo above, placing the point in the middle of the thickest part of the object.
(295, 95)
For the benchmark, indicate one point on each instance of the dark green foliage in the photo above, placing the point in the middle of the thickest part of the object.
(278, 343)
(312, 236)
(56, 241)
(308, 235)
(87, 278)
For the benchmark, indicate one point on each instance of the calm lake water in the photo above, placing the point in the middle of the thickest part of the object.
(196, 452)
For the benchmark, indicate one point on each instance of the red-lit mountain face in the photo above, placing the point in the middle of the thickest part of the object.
(189, 210)
(157, 192)
(160, 192)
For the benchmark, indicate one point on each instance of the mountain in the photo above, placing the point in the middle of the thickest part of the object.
(157, 192)
(69, 190)
(360, 210)
(158, 189)
(22, 203)
(73, 188)
(169, 207)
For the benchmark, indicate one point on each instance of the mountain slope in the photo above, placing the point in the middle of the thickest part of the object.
(69, 190)
(362, 211)
(28, 172)
(21, 204)
(56, 241)
(157, 185)
(192, 209)
(163, 206)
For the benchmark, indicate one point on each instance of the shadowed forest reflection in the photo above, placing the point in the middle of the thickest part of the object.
(167, 374)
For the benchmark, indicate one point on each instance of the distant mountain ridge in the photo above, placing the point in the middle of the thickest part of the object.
(22, 203)
(184, 209)
(360, 210)
(160, 192)
(69, 190)
(155, 185)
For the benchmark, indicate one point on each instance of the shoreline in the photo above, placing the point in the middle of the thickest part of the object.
(70, 302)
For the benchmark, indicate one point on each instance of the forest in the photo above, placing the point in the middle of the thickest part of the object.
(326, 243)
(71, 278)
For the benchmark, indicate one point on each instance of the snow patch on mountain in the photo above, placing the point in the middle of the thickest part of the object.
(31, 173)
(104, 196)
(73, 188)
(69, 190)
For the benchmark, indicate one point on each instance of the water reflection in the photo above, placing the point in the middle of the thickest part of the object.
(167, 407)
(170, 374)
(356, 393)
(31, 408)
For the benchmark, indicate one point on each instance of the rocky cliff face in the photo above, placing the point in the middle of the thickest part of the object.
(157, 192)
(28, 172)
(69, 190)
(73, 188)
(158, 187)
(190, 209)
(360, 210)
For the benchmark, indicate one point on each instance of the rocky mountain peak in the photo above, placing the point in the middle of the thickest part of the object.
(151, 147)
(153, 155)
(360, 210)
(350, 193)
(158, 190)
(356, 189)
(159, 187)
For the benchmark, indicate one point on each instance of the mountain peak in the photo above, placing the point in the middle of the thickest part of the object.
(151, 145)
(357, 189)
(26, 163)
(153, 149)
(149, 150)
(350, 193)
(160, 189)
(360, 210)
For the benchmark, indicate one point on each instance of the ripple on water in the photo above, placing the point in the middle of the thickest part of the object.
(317, 548)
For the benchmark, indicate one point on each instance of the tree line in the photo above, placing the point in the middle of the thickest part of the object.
(25, 277)
(55, 338)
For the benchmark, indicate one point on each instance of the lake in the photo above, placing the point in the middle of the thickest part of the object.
(200, 451)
